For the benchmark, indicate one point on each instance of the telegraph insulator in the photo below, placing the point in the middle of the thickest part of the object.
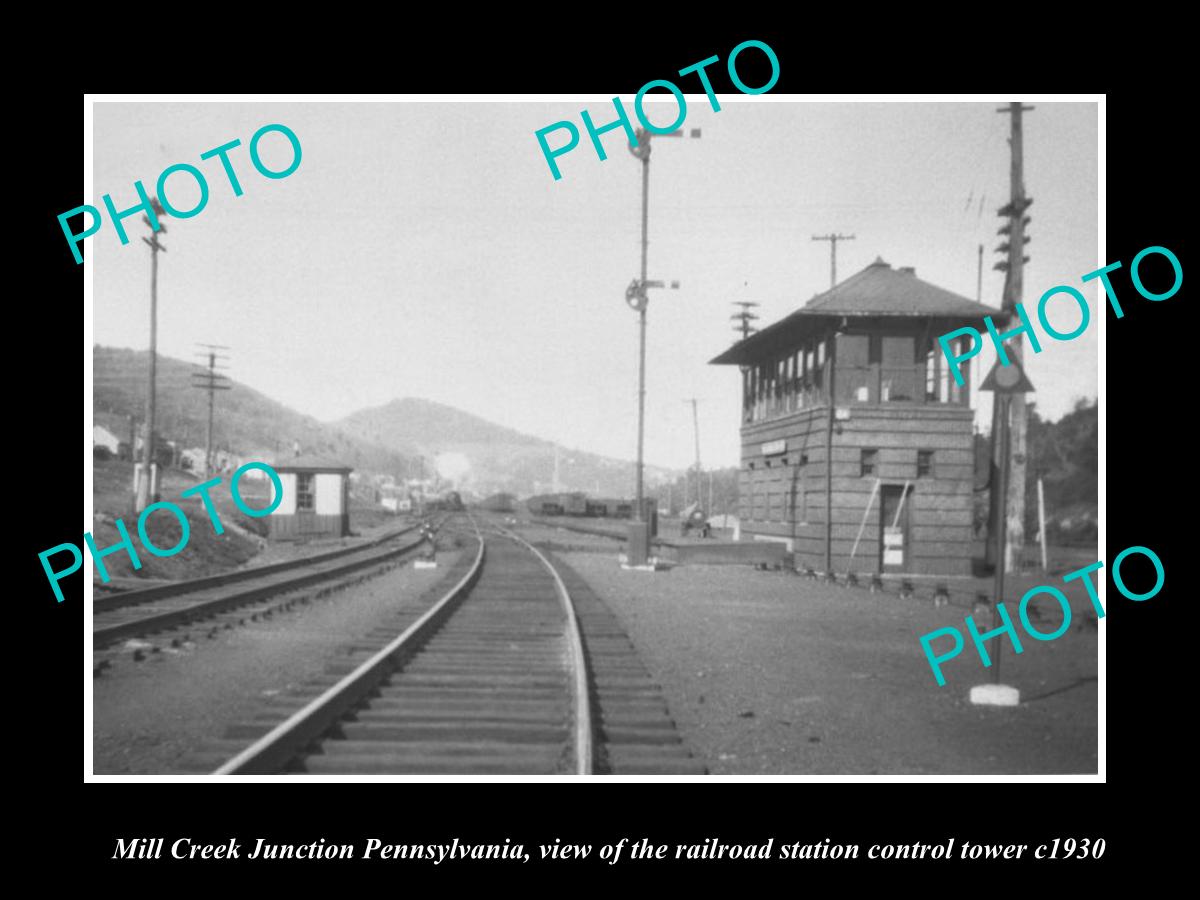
(1002, 266)
(1006, 246)
(1006, 228)
(1008, 210)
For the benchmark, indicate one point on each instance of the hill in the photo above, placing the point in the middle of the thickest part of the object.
(248, 424)
(486, 458)
(1066, 455)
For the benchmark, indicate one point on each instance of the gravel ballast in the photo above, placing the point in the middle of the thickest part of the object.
(149, 714)
(773, 673)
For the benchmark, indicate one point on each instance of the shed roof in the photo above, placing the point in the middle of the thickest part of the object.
(103, 432)
(311, 462)
(878, 291)
(112, 422)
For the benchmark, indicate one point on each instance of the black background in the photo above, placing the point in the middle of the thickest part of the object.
(1150, 454)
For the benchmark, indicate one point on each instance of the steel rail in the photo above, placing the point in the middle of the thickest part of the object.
(583, 714)
(110, 634)
(283, 742)
(144, 595)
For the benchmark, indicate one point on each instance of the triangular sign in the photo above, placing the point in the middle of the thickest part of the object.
(1010, 379)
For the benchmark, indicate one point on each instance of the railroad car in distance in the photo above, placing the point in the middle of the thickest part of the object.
(500, 502)
(451, 501)
(614, 508)
(580, 505)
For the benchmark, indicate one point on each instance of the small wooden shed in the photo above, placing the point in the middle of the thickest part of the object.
(315, 499)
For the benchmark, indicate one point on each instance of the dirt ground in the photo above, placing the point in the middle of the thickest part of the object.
(774, 673)
(149, 714)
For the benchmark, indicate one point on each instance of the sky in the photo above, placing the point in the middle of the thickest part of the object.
(424, 249)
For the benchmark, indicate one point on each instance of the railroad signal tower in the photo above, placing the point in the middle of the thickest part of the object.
(638, 300)
(1013, 266)
(857, 444)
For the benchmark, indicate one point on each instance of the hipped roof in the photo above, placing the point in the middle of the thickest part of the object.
(310, 462)
(878, 291)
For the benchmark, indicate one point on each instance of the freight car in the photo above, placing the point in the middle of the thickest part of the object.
(544, 505)
(617, 509)
(579, 505)
(574, 504)
(501, 502)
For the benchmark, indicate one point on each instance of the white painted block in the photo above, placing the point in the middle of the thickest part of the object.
(995, 695)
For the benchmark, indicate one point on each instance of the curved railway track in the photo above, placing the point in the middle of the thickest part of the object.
(137, 614)
(491, 677)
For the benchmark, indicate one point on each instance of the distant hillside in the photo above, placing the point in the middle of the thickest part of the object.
(247, 422)
(1066, 454)
(496, 458)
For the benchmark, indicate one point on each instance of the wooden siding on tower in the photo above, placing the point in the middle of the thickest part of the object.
(779, 496)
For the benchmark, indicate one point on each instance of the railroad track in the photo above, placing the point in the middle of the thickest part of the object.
(218, 601)
(491, 676)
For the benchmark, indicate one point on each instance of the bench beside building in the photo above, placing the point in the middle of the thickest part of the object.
(857, 444)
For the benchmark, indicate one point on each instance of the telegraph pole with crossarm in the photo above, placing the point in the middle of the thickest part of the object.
(145, 493)
(211, 380)
(833, 239)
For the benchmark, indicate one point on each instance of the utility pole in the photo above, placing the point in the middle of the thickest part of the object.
(744, 318)
(144, 488)
(973, 371)
(1042, 521)
(1006, 384)
(833, 239)
(696, 431)
(212, 381)
(979, 277)
(1008, 553)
